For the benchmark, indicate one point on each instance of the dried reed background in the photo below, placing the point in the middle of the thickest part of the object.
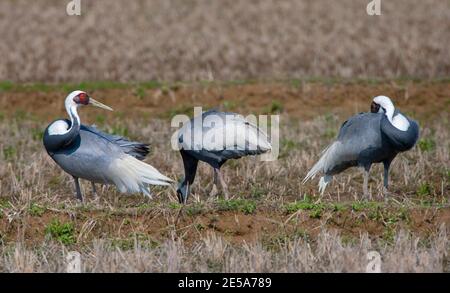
(225, 40)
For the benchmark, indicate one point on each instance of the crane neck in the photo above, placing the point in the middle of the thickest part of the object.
(390, 109)
(58, 141)
(402, 138)
(74, 117)
(399, 121)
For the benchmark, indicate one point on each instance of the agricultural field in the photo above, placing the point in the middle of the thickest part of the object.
(313, 63)
(173, 40)
(272, 223)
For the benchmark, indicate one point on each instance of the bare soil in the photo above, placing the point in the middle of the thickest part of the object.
(427, 102)
(302, 100)
(235, 227)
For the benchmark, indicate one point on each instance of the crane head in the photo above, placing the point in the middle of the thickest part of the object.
(81, 98)
(374, 107)
(380, 104)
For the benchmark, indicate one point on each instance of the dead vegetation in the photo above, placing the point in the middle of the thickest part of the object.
(313, 62)
(222, 40)
(213, 254)
(273, 223)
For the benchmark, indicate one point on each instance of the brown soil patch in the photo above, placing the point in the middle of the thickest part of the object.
(305, 101)
(235, 227)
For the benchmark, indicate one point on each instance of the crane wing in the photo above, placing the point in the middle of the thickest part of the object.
(224, 132)
(235, 133)
(132, 148)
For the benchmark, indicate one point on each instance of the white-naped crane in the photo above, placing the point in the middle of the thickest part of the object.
(88, 153)
(216, 138)
(365, 139)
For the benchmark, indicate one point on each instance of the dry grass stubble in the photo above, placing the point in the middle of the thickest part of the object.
(175, 40)
(274, 223)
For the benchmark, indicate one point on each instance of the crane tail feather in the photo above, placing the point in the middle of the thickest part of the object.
(133, 176)
(325, 162)
(323, 182)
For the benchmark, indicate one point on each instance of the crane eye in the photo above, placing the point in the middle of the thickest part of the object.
(82, 98)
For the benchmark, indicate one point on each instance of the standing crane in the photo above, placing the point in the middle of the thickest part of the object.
(88, 153)
(365, 139)
(219, 137)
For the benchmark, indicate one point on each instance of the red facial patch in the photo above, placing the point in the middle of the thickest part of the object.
(82, 99)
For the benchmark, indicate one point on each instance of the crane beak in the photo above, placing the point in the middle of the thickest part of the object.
(98, 104)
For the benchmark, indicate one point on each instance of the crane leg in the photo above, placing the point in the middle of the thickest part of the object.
(223, 184)
(78, 189)
(214, 190)
(386, 164)
(386, 177)
(94, 190)
(366, 183)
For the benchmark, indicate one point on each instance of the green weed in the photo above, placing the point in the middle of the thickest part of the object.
(275, 107)
(315, 209)
(195, 209)
(37, 134)
(9, 152)
(257, 192)
(140, 92)
(36, 210)
(62, 232)
(121, 130)
(424, 189)
(426, 144)
(100, 119)
(242, 205)
(175, 205)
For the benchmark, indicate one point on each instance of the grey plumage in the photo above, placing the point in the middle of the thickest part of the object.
(132, 148)
(365, 139)
(88, 153)
(232, 126)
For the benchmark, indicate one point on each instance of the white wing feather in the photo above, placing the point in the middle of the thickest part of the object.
(234, 134)
(132, 176)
